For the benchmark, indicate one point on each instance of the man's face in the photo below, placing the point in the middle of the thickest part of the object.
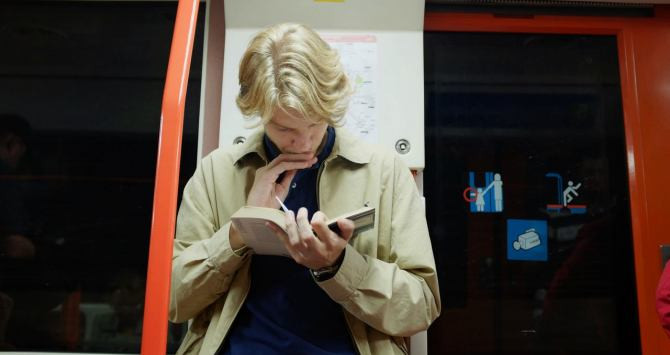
(292, 134)
(12, 149)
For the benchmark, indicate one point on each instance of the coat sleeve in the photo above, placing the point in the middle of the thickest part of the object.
(203, 263)
(399, 297)
(663, 299)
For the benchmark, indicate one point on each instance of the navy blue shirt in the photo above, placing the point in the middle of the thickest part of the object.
(285, 311)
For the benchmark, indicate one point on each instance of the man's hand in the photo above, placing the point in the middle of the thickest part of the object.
(266, 187)
(306, 248)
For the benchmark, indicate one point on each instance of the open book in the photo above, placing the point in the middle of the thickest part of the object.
(250, 222)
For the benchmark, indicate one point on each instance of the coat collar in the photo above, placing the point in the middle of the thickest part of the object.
(350, 147)
(346, 146)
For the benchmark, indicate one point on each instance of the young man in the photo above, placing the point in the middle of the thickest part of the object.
(337, 294)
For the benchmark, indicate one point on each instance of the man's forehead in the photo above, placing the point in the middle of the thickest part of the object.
(291, 119)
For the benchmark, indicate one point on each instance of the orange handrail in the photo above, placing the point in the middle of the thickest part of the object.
(157, 296)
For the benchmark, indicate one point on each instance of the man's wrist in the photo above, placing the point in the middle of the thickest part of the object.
(326, 273)
(236, 242)
(234, 238)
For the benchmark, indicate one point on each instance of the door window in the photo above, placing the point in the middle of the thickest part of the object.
(81, 86)
(527, 195)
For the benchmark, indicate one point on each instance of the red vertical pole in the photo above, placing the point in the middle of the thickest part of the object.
(157, 297)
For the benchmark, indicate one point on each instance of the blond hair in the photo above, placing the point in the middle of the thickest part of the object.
(289, 67)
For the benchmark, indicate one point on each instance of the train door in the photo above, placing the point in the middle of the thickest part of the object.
(538, 183)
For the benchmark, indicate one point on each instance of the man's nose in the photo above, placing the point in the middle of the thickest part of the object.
(302, 142)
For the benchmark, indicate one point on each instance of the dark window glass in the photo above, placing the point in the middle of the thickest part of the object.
(527, 195)
(81, 86)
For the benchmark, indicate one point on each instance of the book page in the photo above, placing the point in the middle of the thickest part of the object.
(259, 237)
(251, 223)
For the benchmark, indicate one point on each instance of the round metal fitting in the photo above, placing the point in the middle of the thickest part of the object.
(402, 146)
(239, 140)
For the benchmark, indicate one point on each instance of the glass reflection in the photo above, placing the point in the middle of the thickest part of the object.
(81, 85)
(543, 112)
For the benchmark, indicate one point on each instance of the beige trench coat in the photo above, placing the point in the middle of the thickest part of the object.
(387, 284)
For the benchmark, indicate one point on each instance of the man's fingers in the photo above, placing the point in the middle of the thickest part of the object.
(319, 224)
(346, 227)
(297, 246)
(271, 172)
(287, 166)
(290, 157)
(268, 175)
(319, 217)
(304, 228)
(292, 229)
(294, 156)
(292, 251)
